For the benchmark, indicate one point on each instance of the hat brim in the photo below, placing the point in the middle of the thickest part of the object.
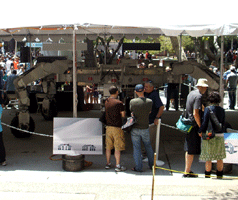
(203, 85)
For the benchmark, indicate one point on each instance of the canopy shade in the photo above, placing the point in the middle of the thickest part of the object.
(131, 19)
(92, 31)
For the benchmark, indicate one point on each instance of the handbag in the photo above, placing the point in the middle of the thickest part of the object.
(213, 126)
(217, 126)
(185, 124)
(210, 133)
(130, 121)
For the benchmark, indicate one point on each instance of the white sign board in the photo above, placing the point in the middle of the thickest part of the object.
(231, 146)
(75, 136)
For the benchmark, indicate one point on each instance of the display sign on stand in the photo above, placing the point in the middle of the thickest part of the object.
(75, 136)
(231, 146)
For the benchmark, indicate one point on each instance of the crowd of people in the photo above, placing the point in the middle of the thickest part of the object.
(147, 108)
(10, 69)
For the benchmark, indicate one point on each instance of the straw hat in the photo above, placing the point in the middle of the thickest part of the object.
(202, 82)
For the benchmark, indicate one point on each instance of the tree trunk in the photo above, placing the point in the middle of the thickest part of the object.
(175, 44)
(116, 50)
(109, 57)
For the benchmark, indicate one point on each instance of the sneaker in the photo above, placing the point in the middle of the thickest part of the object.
(4, 163)
(190, 175)
(120, 168)
(108, 166)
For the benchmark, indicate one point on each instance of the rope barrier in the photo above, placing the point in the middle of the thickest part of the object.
(90, 163)
(33, 133)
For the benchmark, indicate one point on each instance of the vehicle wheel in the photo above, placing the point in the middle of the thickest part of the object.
(51, 113)
(20, 134)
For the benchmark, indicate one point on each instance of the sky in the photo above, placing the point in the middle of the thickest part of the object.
(150, 13)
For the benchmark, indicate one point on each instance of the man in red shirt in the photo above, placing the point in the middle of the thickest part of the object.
(115, 138)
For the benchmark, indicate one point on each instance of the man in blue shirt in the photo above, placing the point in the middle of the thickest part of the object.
(156, 112)
(228, 72)
(10, 87)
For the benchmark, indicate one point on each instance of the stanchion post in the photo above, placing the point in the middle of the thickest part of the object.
(153, 178)
(158, 162)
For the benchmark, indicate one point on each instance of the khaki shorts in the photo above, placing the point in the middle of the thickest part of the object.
(115, 138)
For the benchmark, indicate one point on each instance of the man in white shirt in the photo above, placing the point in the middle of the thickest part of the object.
(8, 65)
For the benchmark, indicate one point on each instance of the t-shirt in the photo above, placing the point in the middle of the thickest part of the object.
(232, 80)
(8, 65)
(10, 86)
(194, 101)
(157, 103)
(141, 108)
(113, 109)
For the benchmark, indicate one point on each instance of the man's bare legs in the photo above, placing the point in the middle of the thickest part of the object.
(117, 155)
(188, 162)
(108, 156)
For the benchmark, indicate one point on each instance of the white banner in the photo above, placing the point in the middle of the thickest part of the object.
(75, 136)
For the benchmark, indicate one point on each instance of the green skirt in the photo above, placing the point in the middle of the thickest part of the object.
(213, 149)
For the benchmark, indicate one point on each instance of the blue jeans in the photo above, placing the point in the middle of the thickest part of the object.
(136, 136)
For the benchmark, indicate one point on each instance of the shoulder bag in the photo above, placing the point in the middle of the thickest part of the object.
(213, 126)
(129, 123)
(216, 124)
(184, 124)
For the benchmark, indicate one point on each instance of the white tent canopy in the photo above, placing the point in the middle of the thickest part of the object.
(46, 18)
(92, 31)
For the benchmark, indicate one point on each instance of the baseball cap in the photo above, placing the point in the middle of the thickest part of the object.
(139, 88)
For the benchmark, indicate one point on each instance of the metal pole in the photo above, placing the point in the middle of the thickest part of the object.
(180, 48)
(153, 179)
(15, 48)
(180, 86)
(30, 54)
(221, 90)
(158, 162)
(75, 95)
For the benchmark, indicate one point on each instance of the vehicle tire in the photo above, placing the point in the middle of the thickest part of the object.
(51, 113)
(20, 134)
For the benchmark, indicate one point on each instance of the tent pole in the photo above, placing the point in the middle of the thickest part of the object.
(221, 90)
(180, 48)
(30, 54)
(15, 48)
(75, 95)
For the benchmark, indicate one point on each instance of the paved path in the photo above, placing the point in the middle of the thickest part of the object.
(30, 174)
